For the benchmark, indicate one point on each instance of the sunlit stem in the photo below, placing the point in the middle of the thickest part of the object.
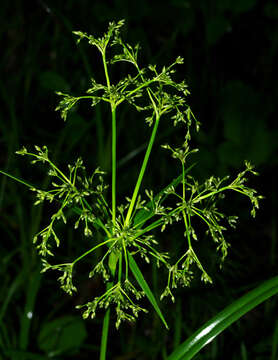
(142, 172)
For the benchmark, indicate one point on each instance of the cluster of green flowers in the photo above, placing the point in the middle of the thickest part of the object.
(127, 230)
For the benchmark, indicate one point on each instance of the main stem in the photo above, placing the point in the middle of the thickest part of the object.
(142, 172)
(114, 139)
(106, 320)
(114, 163)
(105, 329)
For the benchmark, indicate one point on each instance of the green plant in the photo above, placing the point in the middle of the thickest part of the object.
(120, 233)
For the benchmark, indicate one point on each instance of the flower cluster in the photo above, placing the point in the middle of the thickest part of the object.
(126, 231)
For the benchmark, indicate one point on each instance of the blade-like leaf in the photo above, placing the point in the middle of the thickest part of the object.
(10, 293)
(16, 179)
(23, 355)
(223, 319)
(31, 296)
(61, 335)
(145, 287)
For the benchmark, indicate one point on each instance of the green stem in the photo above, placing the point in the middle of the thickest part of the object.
(120, 267)
(130, 93)
(58, 171)
(186, 228)
(114, 163)
(106, 320)
(104, 335)
(92, 249)
(142, 172)
(105, 69)
(16, 179)
(105, 329)
(183, 182)
(102, 98)
(228, 187)
(114, 139)
(183, 212)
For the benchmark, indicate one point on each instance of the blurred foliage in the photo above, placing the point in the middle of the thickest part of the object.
(230, 50)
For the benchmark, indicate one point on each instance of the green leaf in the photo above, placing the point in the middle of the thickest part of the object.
(224, 319)
(271, 10)
(51, 80)
(112, 262)
(145, 287)
(235, 6)
(26, 318)
(216, 27)
(16, 179)
(62, 334)
(18, 281)
(75, 131)
(240, 6)
(23, 355)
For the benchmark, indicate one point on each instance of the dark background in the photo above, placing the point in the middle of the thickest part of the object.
(230, 52)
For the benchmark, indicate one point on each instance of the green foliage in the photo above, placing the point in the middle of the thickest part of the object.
(61, 335)
(155, 92)
(128, 231)
(189, 348)
(238, 118)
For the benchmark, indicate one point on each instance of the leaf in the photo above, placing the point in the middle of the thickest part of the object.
(239, 6)
(271, 10)
(23, 355)
(216, 28)
(112, 262)
(16, 179)
(50, 80)
(26, 318)
(10, 293)
(145, 287)
(224, 319)
(62, 334)
(235, 6)
(75, 131)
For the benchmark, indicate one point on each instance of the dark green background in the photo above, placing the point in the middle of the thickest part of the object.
(230, 51)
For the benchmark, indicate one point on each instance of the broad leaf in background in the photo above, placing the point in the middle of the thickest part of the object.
(224, 319)
(61, 335)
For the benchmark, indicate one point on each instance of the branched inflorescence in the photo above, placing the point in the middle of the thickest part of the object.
(127, 231)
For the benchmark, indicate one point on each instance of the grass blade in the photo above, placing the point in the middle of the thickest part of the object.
(24, 355)
(104, 337)
(145, 287)
(275, 342)
(5, 335)
(223, 319)
(31, 295)
(16, 179)
(10, 293)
